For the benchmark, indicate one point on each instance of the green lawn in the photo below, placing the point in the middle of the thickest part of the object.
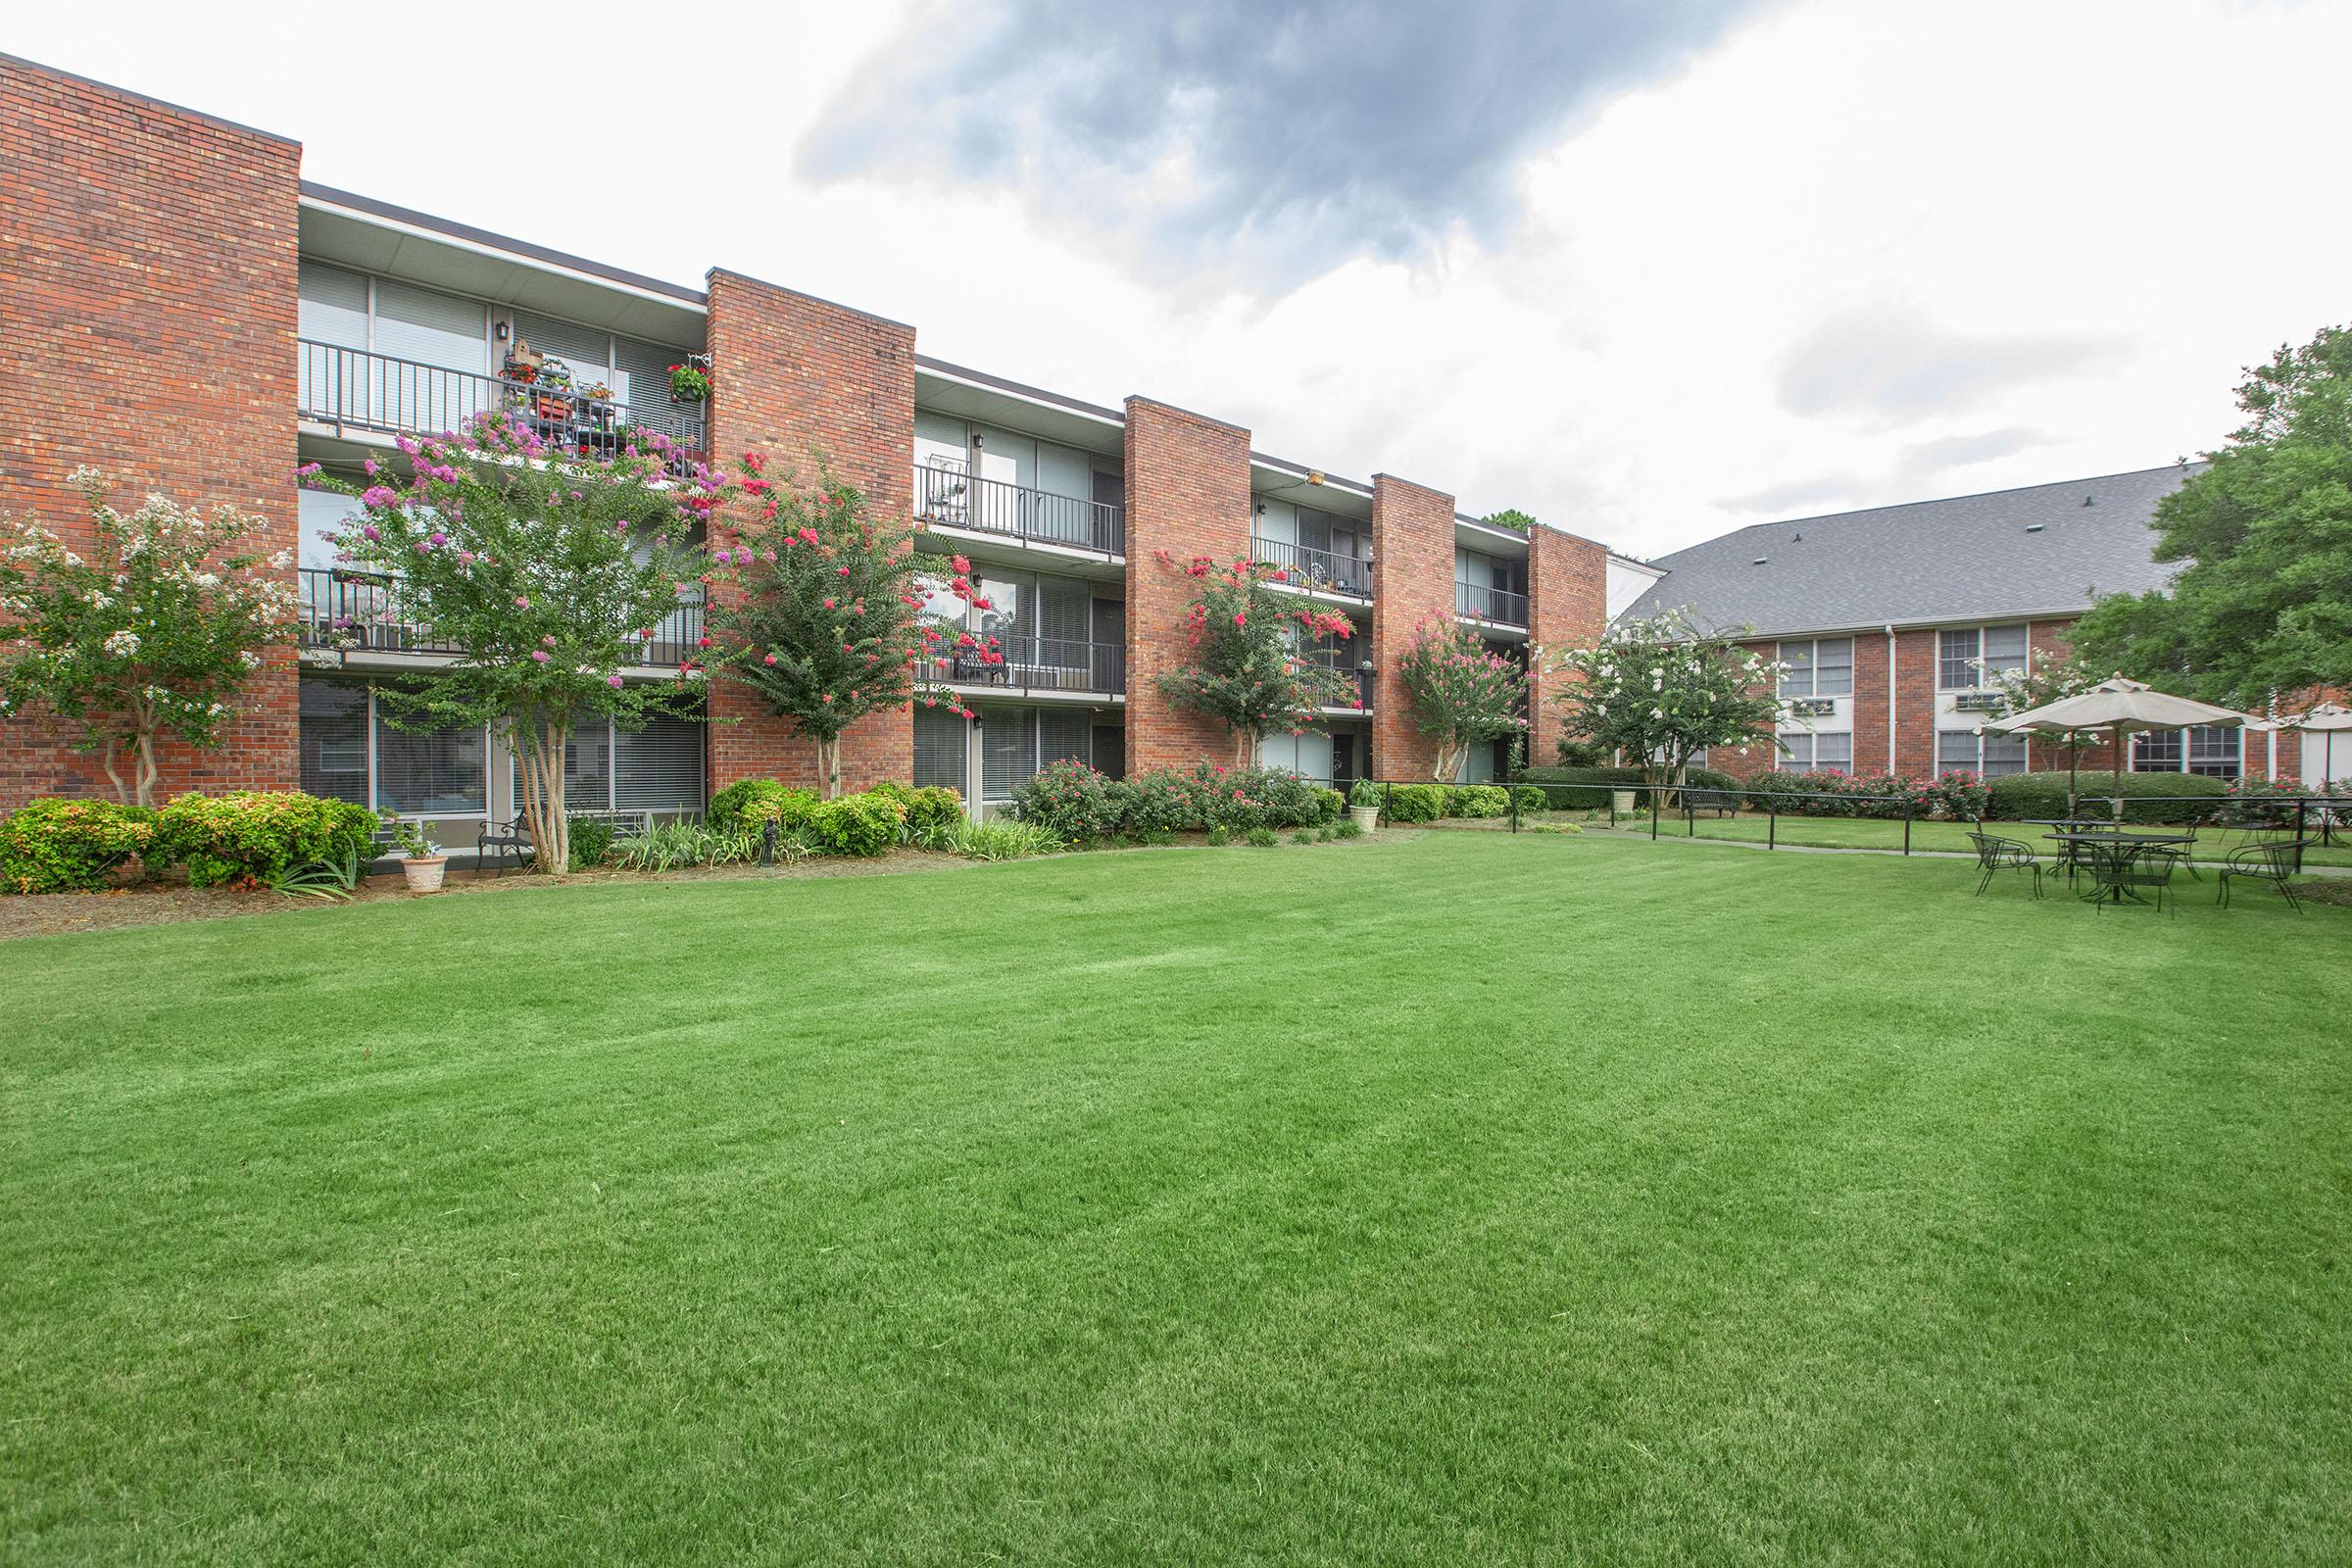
(1464, 1198)
(1843, 833)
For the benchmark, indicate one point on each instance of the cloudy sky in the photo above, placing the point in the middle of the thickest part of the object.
(1647, 268)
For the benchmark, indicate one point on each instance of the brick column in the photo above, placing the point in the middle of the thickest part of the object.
(799, 378)
(1914, 704)
(1412, 553)
(1568, 607)
(147, 325)
(1188, 494)
(1870, 691)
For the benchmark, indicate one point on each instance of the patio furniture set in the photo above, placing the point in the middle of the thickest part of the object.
(2120, 863)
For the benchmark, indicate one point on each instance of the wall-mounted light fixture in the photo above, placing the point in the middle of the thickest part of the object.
(1262, 509)
(503, 331)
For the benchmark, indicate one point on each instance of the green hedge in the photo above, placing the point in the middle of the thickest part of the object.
(256, 835)
(1415, 802)
(1587, 788)
(755, 801)
(2025, 797)
(52, 846)
(858, 824)
(1479, 800)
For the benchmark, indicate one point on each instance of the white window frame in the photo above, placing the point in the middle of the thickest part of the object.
(1978, 678)
(1811, 666)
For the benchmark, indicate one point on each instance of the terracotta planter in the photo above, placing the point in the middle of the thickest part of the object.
(424, 873)
(1366, 817)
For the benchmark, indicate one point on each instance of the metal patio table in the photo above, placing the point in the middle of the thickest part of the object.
(2110, 857)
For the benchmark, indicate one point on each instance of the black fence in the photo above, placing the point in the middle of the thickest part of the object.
(1315, 569)
(362, 391)
(375, 613)
(947, 498)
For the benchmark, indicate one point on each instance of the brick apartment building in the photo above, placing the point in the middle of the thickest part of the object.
(180, 308)
(1884, 615)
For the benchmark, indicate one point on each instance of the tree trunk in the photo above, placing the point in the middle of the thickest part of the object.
(542, 759)
(1451, 756)
(106, 760)
(147, 770)
(828, 765)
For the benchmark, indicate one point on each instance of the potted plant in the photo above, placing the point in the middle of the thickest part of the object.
(421, 864)
(689, 383)
(1623, 801)
(1364, 804)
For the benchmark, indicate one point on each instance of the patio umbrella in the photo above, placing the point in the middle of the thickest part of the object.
(2324, 719)
(2121, 707)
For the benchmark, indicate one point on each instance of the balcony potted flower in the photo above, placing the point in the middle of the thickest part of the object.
(689, 383)
(421, 864)
(1364, 804)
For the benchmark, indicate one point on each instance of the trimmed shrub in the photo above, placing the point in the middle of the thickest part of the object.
(591, 841)
(256, 835)
(863, 825)
(934, 809)
(2021, 797)
(755, 801)
(1330, 805)
(1415, 802)
(1528, 797)
(53, 846)
(1480, 800)
(1071, 800)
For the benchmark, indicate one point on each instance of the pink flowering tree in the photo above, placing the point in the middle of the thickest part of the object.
(549, 572)
(1463, 694)
(1245, 630)
(830, 618)
(148, 639)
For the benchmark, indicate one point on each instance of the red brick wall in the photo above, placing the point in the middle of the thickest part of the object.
(1568, 607)
(1412, 550)
(147, 314)
(1188, 494)
(796, 377)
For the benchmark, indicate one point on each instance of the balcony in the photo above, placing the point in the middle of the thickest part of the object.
(1316, 569)
(365, 612)
(949, 499)
(1346, 665)
(355, 390)
(1497, 605)
(1035, 665)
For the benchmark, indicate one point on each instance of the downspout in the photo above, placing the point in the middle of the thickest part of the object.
(1890, 696)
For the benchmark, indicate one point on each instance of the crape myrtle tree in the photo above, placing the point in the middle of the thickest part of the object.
(146, 640)
(548, 571)
(1463, 692)
(835, 615)
(1663, 690)
(1246, 669)
(2263, 604)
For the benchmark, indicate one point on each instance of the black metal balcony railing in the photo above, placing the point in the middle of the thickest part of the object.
(1316, 568)
(1346, 665)
(364, 391)
(368, 612)
(1043, 664)
(955, 500)
(1497, 605)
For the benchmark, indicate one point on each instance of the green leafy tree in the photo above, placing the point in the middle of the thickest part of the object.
(2044, 678)
(830, 623)
(1244, 629)
(1510, 517)
(1463, 694)
(549, 572)
(1662, 690)
(147, 640)
(2263, 602)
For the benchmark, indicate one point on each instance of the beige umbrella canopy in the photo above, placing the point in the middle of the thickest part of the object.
(2324, 719)
(2121, 707)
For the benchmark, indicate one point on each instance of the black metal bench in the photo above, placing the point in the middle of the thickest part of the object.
(1723, 802)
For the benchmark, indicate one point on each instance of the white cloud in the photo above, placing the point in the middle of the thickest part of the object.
(2045, 237)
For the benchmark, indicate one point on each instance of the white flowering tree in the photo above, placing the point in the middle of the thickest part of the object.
(1663, 690)
(147, 640)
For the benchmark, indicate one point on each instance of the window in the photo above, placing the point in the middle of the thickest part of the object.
(1016, 742)
(2208, 750)
(332, 721)
(1817, 753)
(659, 767)
(1959, 649)
(1820, 668)
(2213, 751)
(2156, 751)
(940, 740)
(1966, 752)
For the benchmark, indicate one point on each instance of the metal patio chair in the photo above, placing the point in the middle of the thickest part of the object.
(2271, 863)
(1996, 854)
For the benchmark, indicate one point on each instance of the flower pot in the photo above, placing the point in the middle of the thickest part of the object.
(424, 873)
(1366, 817)
(1625, 802)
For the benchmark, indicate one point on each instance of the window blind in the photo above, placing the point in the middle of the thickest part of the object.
(939, 748)
(332, 725)
(440, 772)
(1007, 751)
(659, 767)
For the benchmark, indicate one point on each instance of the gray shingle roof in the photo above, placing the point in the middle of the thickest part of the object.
(1964, 559)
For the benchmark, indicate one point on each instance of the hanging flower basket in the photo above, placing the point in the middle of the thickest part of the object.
(689, 384)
